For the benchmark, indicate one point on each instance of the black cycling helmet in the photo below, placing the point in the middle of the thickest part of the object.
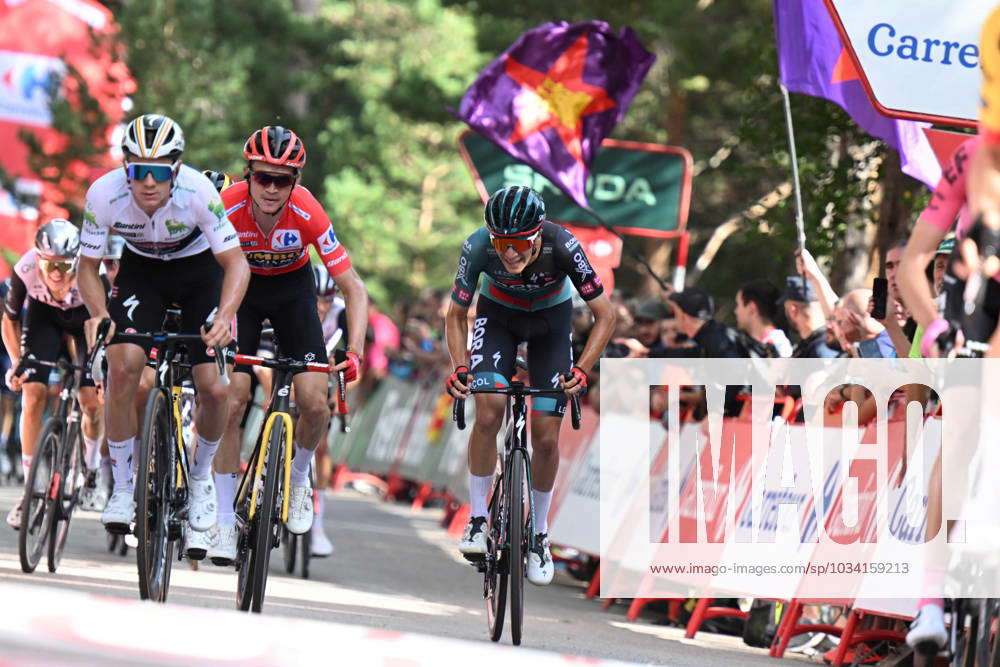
(220, 180)
(514, 211)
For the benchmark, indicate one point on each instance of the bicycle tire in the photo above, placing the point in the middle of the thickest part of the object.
(244, 541)
(306, 551)
(515, 538)
(984, 641)
(994, 660)
(965, 646)
(153, 480)
(267, 522)
(290, 548)
(67, 494)
(36, 508)
(495, 576)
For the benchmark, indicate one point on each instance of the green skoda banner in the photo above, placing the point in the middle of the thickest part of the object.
(641, 189)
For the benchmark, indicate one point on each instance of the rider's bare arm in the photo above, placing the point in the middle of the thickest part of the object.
(93, 293)
(456, 331)
(356, 303)
(911, 276)
(604, 326)
(234, 286)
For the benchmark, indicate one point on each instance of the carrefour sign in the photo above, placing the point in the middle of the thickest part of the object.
(27, 83)
(917, 58)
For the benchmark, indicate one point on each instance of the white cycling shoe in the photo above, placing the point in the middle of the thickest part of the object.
(540, 567)
(95, 493)
(120, 511)
(300, 510)
(14, 516)
(223, 549)
(927, 634)
(320, 545)
(199, 542)
(474, 536)
(202, 505)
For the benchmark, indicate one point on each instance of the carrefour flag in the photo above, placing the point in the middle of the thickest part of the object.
(812, 60)
(551, 98)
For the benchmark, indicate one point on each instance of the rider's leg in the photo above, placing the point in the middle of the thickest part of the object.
(483, 450)
(125, 364)
(34, 395)
(92, 424)
(227, 459)
(211, 418)
(544, 465)
(314, 418)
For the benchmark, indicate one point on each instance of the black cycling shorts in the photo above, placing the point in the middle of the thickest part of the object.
(497, 331)
(288, 300)
(146, 287)
(43, 330)
(978, 326)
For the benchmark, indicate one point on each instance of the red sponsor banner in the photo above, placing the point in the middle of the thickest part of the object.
(40, 41)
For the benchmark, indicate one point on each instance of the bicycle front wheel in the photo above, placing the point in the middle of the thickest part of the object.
(289, 544)
(154, 482)
(38, 500)
(67, 494)
(268, 521)
(515, 537)
(495, 576)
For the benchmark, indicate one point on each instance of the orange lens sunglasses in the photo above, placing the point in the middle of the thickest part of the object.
(521, 244)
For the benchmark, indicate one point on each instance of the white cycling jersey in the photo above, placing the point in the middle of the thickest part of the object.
(28, 283)
(191, 221)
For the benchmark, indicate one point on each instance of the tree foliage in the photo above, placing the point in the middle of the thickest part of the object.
(367, 84)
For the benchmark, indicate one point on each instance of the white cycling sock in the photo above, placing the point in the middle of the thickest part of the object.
(25, 464)
(91, 452)
(225, 494)
(106, 466)
(541, 501)
(201, 467)
(300, 465)
(479, 488)
(121, 462)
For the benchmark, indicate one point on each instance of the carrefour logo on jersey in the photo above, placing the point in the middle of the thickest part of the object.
(287, 239)
(328, 242)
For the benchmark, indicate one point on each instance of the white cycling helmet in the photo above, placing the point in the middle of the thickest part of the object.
(325, 286)
(58, 239)
(153, 136)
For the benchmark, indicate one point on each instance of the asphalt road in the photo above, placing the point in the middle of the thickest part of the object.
(393, 569)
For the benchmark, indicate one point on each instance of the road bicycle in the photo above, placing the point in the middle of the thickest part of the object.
(510, 533)
(56, 477)
(161, 485)
(262, 496)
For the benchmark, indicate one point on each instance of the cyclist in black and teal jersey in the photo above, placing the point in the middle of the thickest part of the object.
(529, 268)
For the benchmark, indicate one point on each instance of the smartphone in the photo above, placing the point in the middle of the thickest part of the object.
(868, 349)
(880, 294)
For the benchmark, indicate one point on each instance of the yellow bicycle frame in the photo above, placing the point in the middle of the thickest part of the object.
(261, 462)
(176, 391)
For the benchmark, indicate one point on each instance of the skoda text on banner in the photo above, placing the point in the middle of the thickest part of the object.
(752, 501)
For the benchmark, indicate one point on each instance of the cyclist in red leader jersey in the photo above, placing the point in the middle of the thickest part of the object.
(277, 220)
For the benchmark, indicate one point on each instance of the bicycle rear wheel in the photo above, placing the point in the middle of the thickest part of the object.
(268, 521)
(67, 494)
(38, 501)
(154, 487)
(495, 584)
(306, 551)
(515, 538)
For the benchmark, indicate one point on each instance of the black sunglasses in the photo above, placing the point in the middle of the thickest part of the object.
(264, 179)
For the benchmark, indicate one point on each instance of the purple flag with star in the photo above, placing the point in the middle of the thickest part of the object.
(812, 60)
(551, 98)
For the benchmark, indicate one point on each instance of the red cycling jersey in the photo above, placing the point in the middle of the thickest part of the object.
(302, 223)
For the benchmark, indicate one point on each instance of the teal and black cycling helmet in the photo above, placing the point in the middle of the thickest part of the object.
(514, 211)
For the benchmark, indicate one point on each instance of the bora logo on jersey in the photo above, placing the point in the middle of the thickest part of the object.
(286, 239)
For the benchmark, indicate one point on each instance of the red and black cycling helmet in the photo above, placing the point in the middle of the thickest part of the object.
(275, 144)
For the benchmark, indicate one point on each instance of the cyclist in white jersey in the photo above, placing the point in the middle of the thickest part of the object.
(179, 248)
(45, 277)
